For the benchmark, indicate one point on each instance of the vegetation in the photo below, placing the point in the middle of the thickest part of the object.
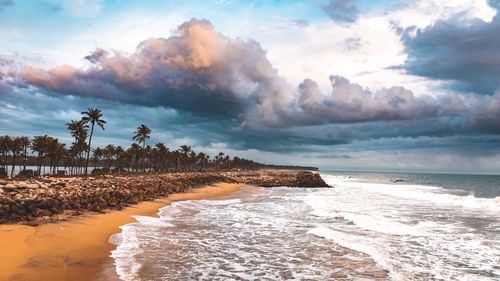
(92, 116)
(49, 156)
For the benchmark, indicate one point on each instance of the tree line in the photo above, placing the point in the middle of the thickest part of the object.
(49, 155)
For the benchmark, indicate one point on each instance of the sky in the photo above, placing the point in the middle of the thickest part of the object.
(410, 86)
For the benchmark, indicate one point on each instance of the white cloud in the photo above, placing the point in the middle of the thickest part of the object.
(318, 49)
(425, 12)
(314, 51)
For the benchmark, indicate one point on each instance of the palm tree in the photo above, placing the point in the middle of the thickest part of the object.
(135, 151)
(15, 146)
(185, 150)
(78, 130)
(4, 150)
(119, 153)
(55, 151)
(220, 157)
(162, 151)
(192, 159)
(109, 154)
(142, 133)
(227, 161)
(39, 145)
(202, 159)
(25, 142)
(98, 153)
(176, 154)
(92, 116)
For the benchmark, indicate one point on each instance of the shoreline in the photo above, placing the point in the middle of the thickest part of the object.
(78, 248)
(47, 199)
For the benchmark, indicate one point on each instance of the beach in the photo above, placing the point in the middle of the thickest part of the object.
(78, 248)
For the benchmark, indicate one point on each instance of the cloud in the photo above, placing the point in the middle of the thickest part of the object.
(352, 44)
(230, 85)
(407, 114)
(494, 4)
(342, 11)
(197, 70)
(5, 77)
(462, 52)
(300, 23)
(350, 103)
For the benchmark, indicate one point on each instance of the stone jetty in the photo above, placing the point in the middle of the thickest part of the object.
(49, 199)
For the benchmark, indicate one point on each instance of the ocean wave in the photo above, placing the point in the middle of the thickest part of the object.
(115, 239)
(126, 265)
(450, 257)
(417, 232)
(354, 242)
(218, 202)
(433, 194)
(377, 222)
(155, 221)
(386, 226)
(234, 239)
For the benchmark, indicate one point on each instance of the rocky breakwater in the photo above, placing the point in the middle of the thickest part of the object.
(48, 199)
(271, 178)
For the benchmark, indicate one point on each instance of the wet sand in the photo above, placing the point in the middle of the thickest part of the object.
(78, 249)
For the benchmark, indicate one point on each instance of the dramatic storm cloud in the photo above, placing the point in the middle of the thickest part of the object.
(204, 73)
(287, 81)
(197, 70)
(350, 103)
(464, 52)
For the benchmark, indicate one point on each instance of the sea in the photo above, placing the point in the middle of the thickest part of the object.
(369, 226)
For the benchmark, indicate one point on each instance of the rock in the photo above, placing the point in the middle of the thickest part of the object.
(42, 199)
(10, 187)
(309, 179)
(57, 184)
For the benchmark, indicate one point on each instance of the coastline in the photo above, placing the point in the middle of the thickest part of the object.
(78, 248)
(47, 199)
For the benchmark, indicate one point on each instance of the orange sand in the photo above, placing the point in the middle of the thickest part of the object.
(78, 249)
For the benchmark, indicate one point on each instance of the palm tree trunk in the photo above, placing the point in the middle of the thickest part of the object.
(80, 164)
(24, 159)
(88, 149)
(53, 165)
(39, 168)
(14, 154)
(143, 148)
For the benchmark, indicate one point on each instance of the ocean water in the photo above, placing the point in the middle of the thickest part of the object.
(417, 226)
(370, 226)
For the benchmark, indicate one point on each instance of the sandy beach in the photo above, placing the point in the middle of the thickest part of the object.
(78, 248)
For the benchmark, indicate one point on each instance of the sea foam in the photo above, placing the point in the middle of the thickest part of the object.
(417, 232)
